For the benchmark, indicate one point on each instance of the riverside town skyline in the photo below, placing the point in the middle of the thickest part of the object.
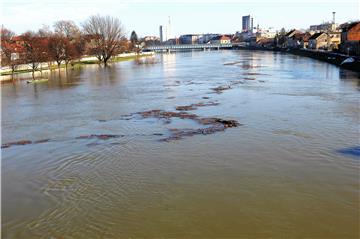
(201, 16)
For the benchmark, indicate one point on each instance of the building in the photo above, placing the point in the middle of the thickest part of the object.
(151, 40)
(247, 23)
(318, 41)
(325, 27)
(243, 36)
(205, 38)
(334, 40)
(350, 38)
(223, 39)
(266, 33)
(14, 47)
(288, 38)
(265, 42)
(161, 33)
(189, 39)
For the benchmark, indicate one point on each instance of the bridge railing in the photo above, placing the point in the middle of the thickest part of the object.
(193, 46)
(189, 46)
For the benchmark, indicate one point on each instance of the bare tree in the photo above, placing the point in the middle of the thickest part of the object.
(70, 52)
(79, 44)
(56, 46)
(35, 50)
(67, 28)
(44, 31)
(107, 35)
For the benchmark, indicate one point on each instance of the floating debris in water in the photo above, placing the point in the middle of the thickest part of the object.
(195, 106)
(216, 125)
(232, 63)
(165, 114)
(91, 136)
(220, 89)
(99, 136)
(213, 124)
(20, 142)
(247, 67)
(255, 74)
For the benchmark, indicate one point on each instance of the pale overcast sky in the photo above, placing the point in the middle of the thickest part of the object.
(187, 16)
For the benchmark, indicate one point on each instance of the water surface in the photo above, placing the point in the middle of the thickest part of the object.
(281, 174)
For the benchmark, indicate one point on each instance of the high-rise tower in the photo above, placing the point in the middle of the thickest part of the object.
(161, 33)
(168, 30)
(246, 23)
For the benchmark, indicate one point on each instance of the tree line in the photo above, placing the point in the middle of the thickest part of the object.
(100, 36)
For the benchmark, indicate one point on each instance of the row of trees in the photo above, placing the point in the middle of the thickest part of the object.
(101, 36)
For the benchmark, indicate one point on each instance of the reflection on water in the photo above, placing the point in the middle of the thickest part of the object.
(93, 172)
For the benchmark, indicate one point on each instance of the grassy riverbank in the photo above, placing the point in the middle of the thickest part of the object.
(75, 64)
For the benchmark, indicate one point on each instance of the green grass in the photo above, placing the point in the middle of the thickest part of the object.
(7, 73)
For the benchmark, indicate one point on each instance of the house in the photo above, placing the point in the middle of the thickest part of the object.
(266, 42)
(305, 40)
(12, 49)
(334, 40)
(350, 38)
(288, 41)
(318, 41)
(298, 40)
(265, 33)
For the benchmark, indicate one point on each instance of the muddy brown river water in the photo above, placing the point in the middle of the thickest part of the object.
(215, 144)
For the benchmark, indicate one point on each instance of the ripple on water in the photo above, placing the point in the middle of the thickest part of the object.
(89, 187)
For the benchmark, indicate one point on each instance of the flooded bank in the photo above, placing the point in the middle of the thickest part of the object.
(198, 144)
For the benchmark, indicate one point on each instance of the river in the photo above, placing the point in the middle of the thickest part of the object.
(81, 159)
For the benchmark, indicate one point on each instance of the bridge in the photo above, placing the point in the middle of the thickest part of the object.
(179, 47)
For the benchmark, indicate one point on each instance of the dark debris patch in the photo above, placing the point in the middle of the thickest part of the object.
(160, 114)
(23, 142)
(218, 122)
(247, 67)
(255, 74)
(212, 124)
(221, 88)
(233, 63)
(195, 106)
(99, 136)
(20, 142)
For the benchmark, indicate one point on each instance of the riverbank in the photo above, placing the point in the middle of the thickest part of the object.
(5, 72)
(329, 57)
